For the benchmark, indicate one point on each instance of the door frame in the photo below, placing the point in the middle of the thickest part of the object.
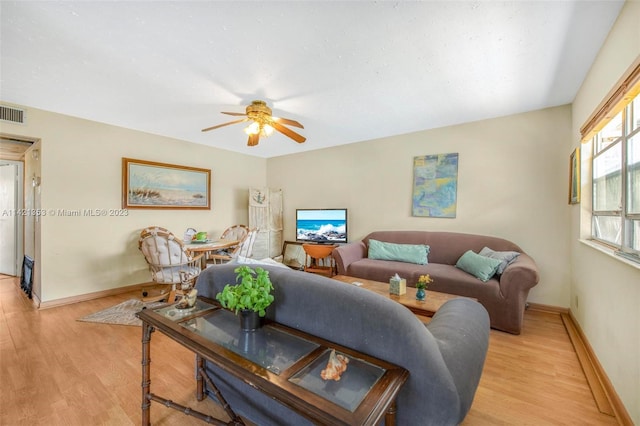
(18, 246)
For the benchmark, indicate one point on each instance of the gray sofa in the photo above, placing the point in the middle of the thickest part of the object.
(444, 358)
(504, 296)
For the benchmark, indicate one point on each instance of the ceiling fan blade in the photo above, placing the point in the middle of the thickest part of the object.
(253, 140)
(288, 132)
(238, 114)
(225, 124)
(288, 122)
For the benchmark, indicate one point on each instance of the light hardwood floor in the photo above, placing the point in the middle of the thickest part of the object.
(55, 370)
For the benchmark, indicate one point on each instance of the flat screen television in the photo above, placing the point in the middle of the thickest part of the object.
(326, 226)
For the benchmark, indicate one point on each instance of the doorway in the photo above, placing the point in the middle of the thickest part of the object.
(11, 216)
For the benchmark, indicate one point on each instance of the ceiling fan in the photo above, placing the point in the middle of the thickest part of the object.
(263, 123)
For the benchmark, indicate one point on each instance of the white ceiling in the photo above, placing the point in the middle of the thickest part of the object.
(348, 71)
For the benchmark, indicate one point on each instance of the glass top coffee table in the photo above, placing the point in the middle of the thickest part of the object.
(284, 363)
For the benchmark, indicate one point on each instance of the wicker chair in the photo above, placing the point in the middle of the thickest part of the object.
(233, 233)
(170, 264)
(244, 249)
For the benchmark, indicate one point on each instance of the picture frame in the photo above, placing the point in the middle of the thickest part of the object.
(574, 177)
(153, 185)
(293, 255)
(435, 185)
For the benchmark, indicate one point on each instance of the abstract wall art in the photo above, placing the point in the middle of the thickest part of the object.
(435, 185)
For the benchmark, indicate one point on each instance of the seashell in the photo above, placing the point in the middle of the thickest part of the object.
(188, 300)
(336, 365)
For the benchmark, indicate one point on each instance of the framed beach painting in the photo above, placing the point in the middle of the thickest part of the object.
(151, 185)
(574, 177)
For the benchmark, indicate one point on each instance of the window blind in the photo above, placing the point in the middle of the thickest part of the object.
(623, 93)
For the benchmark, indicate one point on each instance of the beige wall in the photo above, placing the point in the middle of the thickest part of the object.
(605, 291)
(81, 165)
(512, 183)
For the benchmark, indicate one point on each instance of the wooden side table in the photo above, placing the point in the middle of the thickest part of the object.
(319, 259)
(284, 363)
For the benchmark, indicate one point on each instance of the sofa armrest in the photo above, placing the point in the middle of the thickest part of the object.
(521, 275)
(461, 330)
(347, 254)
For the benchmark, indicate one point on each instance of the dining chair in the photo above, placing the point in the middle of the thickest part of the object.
(233, 233)
(169, 262)
(244, 249)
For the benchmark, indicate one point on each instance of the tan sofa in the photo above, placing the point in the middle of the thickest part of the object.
(503, 296)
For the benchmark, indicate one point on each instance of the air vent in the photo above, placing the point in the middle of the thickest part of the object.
(12, 115)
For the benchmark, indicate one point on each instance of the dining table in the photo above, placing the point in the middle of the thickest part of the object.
(207, 246)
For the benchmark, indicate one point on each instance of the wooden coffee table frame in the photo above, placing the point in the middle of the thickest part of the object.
(379, 401)
(427, 307)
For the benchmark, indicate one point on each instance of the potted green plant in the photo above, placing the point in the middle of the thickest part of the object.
(250, 296)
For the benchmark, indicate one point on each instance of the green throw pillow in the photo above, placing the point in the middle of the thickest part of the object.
(410, 253)
(480, 267)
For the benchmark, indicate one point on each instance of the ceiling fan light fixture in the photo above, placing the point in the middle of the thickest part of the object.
(252, 129)
(266, 130)
(262, 123)
(257, 128)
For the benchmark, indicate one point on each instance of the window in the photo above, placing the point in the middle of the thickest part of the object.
(614, 132)
(616, 181)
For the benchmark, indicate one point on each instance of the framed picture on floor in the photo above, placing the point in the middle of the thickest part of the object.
(293, 255)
